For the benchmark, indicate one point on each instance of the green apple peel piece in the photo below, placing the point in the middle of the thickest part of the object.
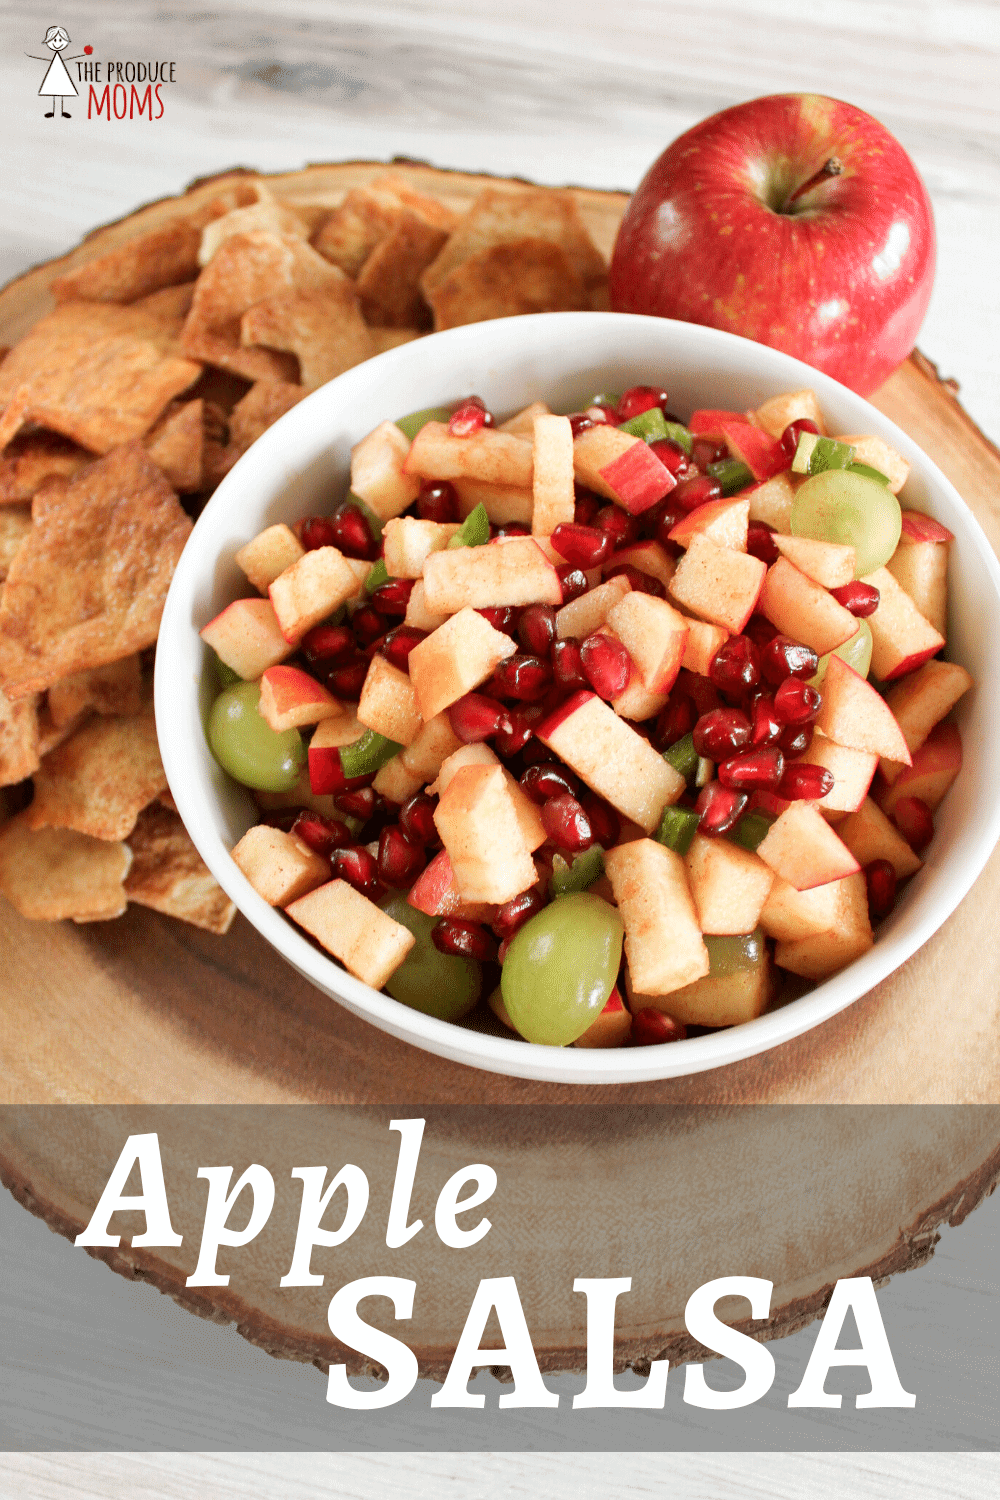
(410, 425)
(852, 510)
(815, 454)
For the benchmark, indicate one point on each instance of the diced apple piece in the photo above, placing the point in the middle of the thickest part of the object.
(360, 568)
(512, 571)
(788, 914)
(410, 541)
(827, 563)
(395, 782)
(803, 849)
(702, 643)
(588, 613)
(849, 936)
(794, 406)
(902, 640)
(762, 454)
(479, 827)
(612, 1026)
(280, 867)
(378, 476)
(802, 609)
(369, 944)
(435, 892)
(653, 634)
(718, 999)
(554, 501)
(501, 502)
(724, 521)
(853, 714)
(388, 702)
(921, 700)
(247, 637)
(529, 816)
(711, 422)
(919, 527)
(729, 885)
(877, 454)
(325, 771)
(611, 758)
(417, 613)
(522, 424)
(771, 502)
(637, 703)
(935, 766)
(268, 555)
(852, 772)
(921, 570)
(310, 590)
(290, 699)
(663, 942)
(456, 658)
(869, 835)
(431, 748)
(496, 457)
(646, 557)
(621, 467)
(720, 585)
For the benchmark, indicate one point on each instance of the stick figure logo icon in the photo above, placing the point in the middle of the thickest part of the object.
(57, 84)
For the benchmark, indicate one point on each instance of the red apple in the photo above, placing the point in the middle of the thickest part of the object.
(745, 223)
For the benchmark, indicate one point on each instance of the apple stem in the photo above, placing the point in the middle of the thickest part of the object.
(831, 168)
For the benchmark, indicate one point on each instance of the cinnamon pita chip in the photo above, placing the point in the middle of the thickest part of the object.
(161, 257)
(51, 735)
(327, 334)
(57, 873)
(89, 583)
(96, 373)
(169, 875)
(527, 276)
(98, 781)
(34, 457)
(502, 218)
(369, 214)
(115, 689)
(391, 338)
(15, 524)
(176, 445)
(260, 408)
(389, 281)
(19, 739)
(266, 214)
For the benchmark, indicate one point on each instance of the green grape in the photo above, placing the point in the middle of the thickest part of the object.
(728, 955)
(561, 967)
(225, 675)
(438, 984)
(856, 651)
(247, 747)
(853, 510)
(411, 425)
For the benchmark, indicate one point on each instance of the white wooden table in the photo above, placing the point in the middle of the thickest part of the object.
(582, 93)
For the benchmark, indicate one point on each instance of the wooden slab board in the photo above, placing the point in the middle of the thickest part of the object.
(147, 1010)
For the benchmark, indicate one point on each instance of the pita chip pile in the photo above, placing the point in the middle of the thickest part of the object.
(160, 362)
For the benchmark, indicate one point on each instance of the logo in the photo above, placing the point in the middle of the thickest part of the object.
(131, 90)
(57, 84)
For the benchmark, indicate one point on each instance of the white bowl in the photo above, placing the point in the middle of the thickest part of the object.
(300, 467)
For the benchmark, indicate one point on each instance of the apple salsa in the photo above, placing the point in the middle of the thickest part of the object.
(541, 690)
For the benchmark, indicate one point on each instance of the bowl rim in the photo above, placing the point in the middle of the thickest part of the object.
(511, 1056)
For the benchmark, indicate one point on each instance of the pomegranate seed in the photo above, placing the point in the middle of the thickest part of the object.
(795, 702)
(398, 644)
(674, 721)
(642, 583)
(915, 822)
(587, 506)
(666, 518)
(760, 542)
(606, 665)
(282, 817)
(469, 418)
(766, 802)
(513, 914)
(566, 823)
(862, 599)
(579, 422)
(545, 781)
(605, 823)
(720, 808)
(803, 781)
(765, 729)
(880, 878)
(705, 452)
(525, 678)
(510, 741)
(347, 679)
(760, 631)
(735, 667)
(618, 524)
(400, 858)
(416, 818)
(365, 804)
(640, 398)
(703, 694)
(792, 433)
(536, 754)
(330, 643)
(510, 528)
(567, 668)
(393, 597)
(650, 1028)
(359, 868)
(583, 546)
(536, 629)
(720, 733)
(368, 625)
(782, 657)
(352, 534)
(316, 531)
(321, 834)
(574, 583)
(754, 771)
(437, 501)
(475, 717)
(672, 457)
(464, 939)
(795, 739)
(698, 490)
(502, 617)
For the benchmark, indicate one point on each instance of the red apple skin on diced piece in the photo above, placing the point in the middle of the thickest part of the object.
(410, 541)
(436, 893)
(791, 406)
(621, 467)
(377, 473)
(826, 563)
(762, 454)
(511, 571)
(454, 659)
(852, 772)
(615, 762)
(724, 521)
(850, 936)
(247, 637)
(326, 774)
(710, 422)
(280, 867)
(612, 1026)
(803, 610)
(369, 944)
(291, 699)
(310, 590)
(935, 766)
(719, 584)
(588, 613)
(501, 502)
(803, 849)
(877, 454)
(701, 646)
(388, 703)
(771, 502)
(268, 555)
(853, 714)
(553, 499)
(647, 557)
(921, 700)
(663, 942)
(921, 570)
(477, 820)
(496, 457)
(729, 885)
(902, 640)
(654, 635)
(918, 527)
(869, 835)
